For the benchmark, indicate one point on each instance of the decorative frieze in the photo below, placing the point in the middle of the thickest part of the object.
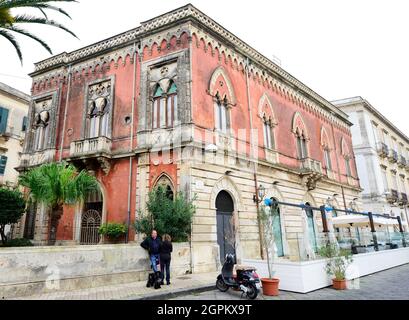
(267, 72)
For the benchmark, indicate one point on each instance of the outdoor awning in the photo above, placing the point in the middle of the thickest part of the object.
(355, 220)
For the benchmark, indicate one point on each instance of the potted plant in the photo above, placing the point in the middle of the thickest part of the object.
(113, 231)
(268, 213)
(337, 263)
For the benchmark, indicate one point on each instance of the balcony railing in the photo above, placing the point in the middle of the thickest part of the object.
(88, 147)
(311, 165)
(392, 196)
(383, 150)
(402, 162)
(393, 156)
(37, 158)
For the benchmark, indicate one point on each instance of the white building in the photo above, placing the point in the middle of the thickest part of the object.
(13, 125)
(382, 156)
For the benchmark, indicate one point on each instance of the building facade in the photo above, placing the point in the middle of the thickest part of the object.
(13, 124)
(382, 155)
(182, 102)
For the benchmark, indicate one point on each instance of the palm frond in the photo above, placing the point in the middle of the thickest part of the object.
(41, 7)
(33, 19)
(10, 4)
(56, 184)
(6, 34)
(30, 35)
(43, 12)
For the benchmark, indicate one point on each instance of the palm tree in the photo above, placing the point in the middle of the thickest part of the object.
(9, 23)
(56, 185)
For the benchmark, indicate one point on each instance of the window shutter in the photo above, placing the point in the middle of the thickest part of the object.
(3, 162)
(24, 126)
(4, 113)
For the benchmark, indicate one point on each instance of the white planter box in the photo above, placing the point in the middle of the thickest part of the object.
(304, 277)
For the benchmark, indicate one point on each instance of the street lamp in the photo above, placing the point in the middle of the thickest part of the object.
(261, 193)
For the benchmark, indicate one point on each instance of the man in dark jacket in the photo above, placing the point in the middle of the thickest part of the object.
(153, 245)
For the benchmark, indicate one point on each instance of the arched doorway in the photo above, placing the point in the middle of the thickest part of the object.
(277, 231)
(226, 237)
(311, 227)
(91, 219)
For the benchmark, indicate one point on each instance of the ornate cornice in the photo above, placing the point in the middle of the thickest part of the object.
(177, 16)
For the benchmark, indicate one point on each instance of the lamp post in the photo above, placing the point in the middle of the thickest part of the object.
(260, 194)
(257, 199)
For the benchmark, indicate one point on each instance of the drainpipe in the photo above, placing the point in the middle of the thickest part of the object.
(339, 171)
(131, 144)
(254, 163)
(65, 113)
(181, 128)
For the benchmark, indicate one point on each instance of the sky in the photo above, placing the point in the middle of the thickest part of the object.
(339, 49)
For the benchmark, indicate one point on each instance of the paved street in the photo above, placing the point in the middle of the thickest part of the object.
(132, 291)
(392, 284)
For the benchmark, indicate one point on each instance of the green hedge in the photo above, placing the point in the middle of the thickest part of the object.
(18, 243)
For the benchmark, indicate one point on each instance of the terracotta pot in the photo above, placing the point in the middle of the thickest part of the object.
(270, 287)
(339, 284)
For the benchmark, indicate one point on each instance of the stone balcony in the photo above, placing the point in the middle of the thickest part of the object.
(393, 156)
(311, 172)
(309, 165)
(392, 196)
(37, 158)
(91, 147)
(403, 199)
(92, 154)
(271, 155)
(402, 163)
(382, 149)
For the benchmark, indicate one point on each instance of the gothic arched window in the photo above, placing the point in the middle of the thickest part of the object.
(268, 127)
(99, 110)
(221, 114)
(165, 183)
(165, 107)
(326, 149)
(302, 152)
(301, 136)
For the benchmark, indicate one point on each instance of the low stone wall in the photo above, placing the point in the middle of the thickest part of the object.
(29, 271)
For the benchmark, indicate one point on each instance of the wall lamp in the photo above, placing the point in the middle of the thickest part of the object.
(261, 193)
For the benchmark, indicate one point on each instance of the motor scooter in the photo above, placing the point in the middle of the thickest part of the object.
(246, 280)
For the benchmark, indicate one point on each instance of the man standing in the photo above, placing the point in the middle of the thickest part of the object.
(153, 244)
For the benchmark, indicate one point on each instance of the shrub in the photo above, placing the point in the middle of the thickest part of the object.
(19, 243)
(338, 260)
(173, 217)
(113, 230)
(12, 206)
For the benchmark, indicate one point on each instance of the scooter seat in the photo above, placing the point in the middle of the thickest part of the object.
(243, 268)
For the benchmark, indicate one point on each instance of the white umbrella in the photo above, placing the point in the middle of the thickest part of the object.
(355, 220)
(331, 234)
(309, 251)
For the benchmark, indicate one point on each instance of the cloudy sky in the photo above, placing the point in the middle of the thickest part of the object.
(339, 48)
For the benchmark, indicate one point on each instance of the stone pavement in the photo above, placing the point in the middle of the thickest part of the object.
(391, 284)
(135, 291)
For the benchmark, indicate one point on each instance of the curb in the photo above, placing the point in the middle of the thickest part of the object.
(178, 293)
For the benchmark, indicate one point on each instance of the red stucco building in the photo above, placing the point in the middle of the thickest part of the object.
(183, 102)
